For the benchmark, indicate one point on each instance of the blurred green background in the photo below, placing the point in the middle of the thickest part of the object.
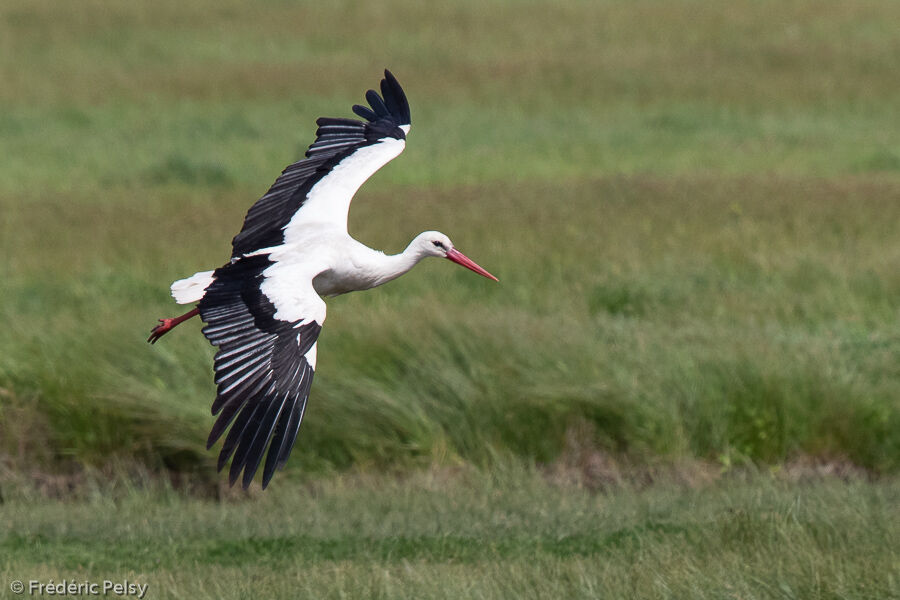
(685, 385)
(693, 209)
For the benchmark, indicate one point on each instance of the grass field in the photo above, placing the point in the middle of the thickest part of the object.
(468, 535)
(693, 209)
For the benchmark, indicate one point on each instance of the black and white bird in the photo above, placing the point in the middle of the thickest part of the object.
(263, 309)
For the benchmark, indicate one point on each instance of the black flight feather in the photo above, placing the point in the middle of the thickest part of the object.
(262, 373)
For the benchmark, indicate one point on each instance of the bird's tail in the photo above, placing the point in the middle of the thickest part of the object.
(191, 289)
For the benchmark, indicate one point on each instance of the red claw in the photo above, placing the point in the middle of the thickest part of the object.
(166, 325)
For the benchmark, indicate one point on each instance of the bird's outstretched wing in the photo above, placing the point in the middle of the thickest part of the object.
(266, 333)
(319, 188)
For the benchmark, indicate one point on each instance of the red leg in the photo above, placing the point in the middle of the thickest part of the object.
(166, 325)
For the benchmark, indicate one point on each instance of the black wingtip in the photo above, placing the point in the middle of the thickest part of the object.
(377, 104)
(222, 460)
(364, 112)
(392, 102)
(395, 98)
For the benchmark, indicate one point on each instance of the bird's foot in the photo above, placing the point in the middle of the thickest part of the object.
(165, 326)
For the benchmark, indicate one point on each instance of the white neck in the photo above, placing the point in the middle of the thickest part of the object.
(392, 266)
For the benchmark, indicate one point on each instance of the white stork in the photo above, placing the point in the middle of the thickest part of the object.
(263, 308)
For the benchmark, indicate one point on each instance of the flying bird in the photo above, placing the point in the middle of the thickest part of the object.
(264, 310)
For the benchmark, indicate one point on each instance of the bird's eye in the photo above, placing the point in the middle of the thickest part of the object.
(438, 244)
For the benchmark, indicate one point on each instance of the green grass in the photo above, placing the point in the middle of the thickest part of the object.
(106, 94)
(441, 534)
(692, 210)
(680, 318)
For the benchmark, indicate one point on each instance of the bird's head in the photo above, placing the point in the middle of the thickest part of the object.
(435, 243)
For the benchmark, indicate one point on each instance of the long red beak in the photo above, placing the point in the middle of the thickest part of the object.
(461, 259)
